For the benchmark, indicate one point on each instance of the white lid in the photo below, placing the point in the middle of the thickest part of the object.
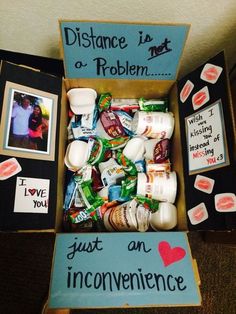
(77, 154)
(82, 100)
(134, 149)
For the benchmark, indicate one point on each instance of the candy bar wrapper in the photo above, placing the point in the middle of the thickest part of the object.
(84, 126)
(140, 165)
(126, 121)
(70, 193)
(70, 135)
(89, 121)
(153, 105)
(104, 101)
(148, 203)
(128, 165)
(124, 104)
(114, 194)
(77, 220)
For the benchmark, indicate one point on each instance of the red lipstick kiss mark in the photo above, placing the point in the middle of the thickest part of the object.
(32, 191)
(170, 255)
(186, 90)
(211, 73)
(203, 184)
(198, 214)
(200, 98)
(225, 203)
(9, 168)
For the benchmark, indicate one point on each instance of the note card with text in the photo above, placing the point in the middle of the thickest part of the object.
(122, 50)
(122, 269)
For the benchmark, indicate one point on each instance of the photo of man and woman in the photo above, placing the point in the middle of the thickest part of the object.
(29, 122)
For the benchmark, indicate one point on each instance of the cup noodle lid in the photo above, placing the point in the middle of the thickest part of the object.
(82, 100)
(77, 154)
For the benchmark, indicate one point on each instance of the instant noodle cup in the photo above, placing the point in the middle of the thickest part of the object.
(77, 154)
(161, 186)
(165, 218)
(129, 216)
(153, 124)
(134, 149)
(82, 100)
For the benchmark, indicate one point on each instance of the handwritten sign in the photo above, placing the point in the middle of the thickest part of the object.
(31, 195)
(125, 51)
(207, 146)
(122, 269)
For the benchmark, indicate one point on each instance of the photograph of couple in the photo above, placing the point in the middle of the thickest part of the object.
(29, 122)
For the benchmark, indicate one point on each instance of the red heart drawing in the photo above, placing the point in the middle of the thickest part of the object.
(32, 191)
(170, 255)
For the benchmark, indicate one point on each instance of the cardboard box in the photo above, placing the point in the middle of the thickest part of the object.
(203, 148)
(133, 77)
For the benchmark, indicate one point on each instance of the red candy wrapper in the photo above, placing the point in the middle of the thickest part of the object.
(161, 151)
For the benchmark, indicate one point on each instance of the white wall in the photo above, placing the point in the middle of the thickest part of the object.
(32, 26)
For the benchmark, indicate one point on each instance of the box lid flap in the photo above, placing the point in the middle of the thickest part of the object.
(28, 173)
(122, 50)
(207, 137)
(123, 269)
